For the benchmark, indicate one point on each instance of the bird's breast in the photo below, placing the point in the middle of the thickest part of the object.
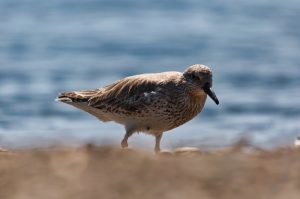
(184, 108)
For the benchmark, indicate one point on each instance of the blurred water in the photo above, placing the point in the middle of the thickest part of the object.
(51, 46)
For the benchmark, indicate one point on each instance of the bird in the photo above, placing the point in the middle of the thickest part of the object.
(152, 103)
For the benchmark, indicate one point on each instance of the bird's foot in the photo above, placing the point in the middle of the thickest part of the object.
(157, 149)
(124, 144)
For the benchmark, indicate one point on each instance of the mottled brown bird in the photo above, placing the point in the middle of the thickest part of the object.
(150, 103)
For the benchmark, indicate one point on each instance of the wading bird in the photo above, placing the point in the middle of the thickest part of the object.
(150, 103)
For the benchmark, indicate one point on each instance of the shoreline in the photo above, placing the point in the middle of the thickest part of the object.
(108, 172)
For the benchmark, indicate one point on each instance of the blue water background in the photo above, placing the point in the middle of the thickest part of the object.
(47, 47)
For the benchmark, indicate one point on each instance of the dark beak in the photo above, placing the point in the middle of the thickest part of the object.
(210, 93)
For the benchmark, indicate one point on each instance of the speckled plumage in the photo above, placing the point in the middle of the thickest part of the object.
(150, 103)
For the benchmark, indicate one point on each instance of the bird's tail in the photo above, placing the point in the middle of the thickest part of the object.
(80, 99)
(76, 96)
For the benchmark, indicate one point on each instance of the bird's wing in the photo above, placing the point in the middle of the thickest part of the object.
(132, 92)
(77, 96)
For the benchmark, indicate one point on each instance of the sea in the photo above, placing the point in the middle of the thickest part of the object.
(47, 47)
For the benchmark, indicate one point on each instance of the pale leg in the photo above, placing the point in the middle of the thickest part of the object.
(124, 142)
(157, 142)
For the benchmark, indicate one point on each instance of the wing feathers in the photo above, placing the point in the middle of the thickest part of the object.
(77, 96)
(123, 90)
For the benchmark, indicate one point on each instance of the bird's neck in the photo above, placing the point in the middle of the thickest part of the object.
(196, 101)
(195, 98)
(193, 105)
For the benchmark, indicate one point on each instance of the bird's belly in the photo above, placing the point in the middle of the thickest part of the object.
(153, 123)
(147, 126)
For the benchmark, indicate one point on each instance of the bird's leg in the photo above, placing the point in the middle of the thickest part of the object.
(124, 142)
(157, 142)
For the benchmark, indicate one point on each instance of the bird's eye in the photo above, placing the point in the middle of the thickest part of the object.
(193, 76)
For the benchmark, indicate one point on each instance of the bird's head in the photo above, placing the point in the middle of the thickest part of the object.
(199, 78)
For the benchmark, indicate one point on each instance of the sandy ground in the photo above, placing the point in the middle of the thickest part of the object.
(106, 172)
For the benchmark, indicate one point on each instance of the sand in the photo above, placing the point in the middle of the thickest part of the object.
(106, 172)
